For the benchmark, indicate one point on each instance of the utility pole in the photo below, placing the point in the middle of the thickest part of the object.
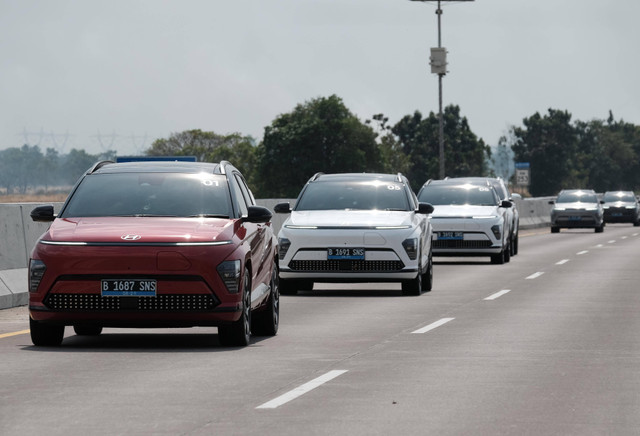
(438, 62)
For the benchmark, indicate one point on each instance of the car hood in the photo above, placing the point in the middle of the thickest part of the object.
(450, 211)
(350, 218)
(139, 230)
(576, 205)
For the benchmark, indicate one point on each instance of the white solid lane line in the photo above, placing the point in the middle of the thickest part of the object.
(433, 325)
(498, 294)
(301, 390)
(534, 275)
(562, 262)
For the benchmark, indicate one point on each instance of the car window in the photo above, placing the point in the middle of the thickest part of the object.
(619, 196)
(246, 193)
(237, 192)
(573, 197)
(150, 194)
(439, 195)
(354, 195)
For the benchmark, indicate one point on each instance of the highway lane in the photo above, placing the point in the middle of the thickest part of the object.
(554, 350)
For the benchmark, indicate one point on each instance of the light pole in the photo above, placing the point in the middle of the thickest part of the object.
(438, 62)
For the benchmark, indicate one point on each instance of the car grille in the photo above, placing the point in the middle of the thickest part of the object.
(160, 303)
(461, 244)
(346, 265)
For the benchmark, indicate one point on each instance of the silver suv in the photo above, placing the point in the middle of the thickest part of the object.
(577, 208)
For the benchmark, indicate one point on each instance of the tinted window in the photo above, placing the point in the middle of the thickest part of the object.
(458, 194)
(573, 197)
(149, 194)
(367, 195)
(619, 196)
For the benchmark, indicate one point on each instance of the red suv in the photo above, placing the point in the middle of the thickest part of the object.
(155, 244)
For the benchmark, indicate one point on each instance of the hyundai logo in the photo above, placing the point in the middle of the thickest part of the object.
(130, 237)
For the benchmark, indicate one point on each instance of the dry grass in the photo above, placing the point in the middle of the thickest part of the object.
(33, 198)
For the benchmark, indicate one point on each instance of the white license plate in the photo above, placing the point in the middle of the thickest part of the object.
(451, 235)
(345, 253)
(128, 287)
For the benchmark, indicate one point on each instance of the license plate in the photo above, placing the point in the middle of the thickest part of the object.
(451, 235)
(616, 214)
(128, 288)
(574, 218)
(344, 253)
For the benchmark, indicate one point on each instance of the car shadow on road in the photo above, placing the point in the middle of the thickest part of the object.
(207, 341)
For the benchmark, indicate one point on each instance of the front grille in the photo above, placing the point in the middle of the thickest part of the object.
(160, 303)
(346, 265)
(447, 243)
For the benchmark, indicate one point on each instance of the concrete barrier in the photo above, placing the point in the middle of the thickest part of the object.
(18, 235)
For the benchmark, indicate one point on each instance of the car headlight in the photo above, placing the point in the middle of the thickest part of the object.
(283, 247)
(229, 272)
(559, 208)
(36, 272)
(411, 247)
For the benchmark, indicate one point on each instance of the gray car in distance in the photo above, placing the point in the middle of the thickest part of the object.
(621, 207)
(577, 208)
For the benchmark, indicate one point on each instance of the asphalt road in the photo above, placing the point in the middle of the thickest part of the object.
(548, 344)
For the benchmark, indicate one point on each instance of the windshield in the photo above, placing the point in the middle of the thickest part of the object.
(619, 196)
(354, 195)
(438, 195)
(150, 194)
(577, 197)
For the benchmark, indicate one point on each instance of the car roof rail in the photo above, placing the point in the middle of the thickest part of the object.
(399, 177)
(223, 164)
(315, 176)
(99, 165)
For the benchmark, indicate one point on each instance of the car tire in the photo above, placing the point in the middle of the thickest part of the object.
(427, 277)
(514, 243)
(45, 335)
(238, 333)
(87, 330)
(413, 287)
(599, 229)
(507, 253)
(266, 322)
(636, 223)
(555, 229)
(498, 259)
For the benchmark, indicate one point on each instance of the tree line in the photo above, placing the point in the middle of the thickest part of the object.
(323, 135)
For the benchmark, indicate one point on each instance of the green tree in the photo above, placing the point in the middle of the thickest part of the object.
(549, 144)
(465, 153)
(75, 163)
(209, 147)
(319, 135)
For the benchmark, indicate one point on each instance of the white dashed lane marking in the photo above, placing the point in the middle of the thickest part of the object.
(498, 294)
(433, 325)
(562, 262)
(535, 275)
(301, 390)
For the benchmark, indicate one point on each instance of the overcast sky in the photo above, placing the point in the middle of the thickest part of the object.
(119, 74)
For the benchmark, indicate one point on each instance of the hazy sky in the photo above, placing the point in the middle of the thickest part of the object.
(118, 74)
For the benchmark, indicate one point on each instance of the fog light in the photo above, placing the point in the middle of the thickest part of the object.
(411, 247)
(496, 231)
(283, 247)
(36, 272)
(229, 272)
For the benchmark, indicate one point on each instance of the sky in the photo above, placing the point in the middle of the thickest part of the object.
(118, 74)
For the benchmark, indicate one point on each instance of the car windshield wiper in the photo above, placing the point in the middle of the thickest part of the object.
(146, 215)
(393, 209)
(209, 215)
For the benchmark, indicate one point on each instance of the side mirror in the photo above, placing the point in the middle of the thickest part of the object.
(552, 202)
(425, 208)
(506, 203)
(43, 214)
(258, 214)
(282, 208)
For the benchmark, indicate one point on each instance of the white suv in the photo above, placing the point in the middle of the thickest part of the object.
(356, 227)
(468, 219)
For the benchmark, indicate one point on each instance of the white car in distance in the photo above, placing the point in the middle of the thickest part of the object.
(356, 227)
(468, 220)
